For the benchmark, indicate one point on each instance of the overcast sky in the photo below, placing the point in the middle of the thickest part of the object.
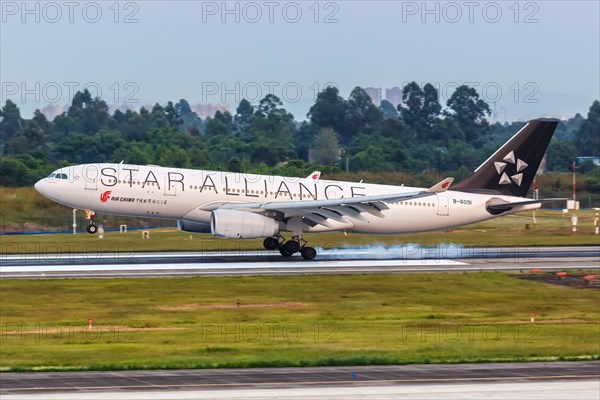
(536, 58)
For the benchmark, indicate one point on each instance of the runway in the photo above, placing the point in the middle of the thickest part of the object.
(361, 260)
(439, 379)
(552, 380)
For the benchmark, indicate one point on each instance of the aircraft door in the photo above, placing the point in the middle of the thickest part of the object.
(170, 188)
(90, 177)
(173, 183)
(443, 205)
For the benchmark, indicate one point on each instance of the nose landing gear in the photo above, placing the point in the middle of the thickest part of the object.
(91, 228)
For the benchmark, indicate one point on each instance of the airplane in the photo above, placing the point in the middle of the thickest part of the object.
(246, 206)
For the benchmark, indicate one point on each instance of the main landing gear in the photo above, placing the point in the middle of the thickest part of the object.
(290, 247)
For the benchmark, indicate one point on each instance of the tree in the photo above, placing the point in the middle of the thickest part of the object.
(587, 138)
(361, 114)
(470, 112)
(272, 126)
(12, 172)
(173, 115)
(234, 164)
(413, 100)
(422, 111)
(158, 117)
(561, 155)
(87, 115)
(243, 116)
(139, 156)
(329, 110)
(137, 126)
(189, 118)
(325, 148)
(218, 126)
(387, 109)
(35, 134)
(10, 121)
(431, 106)
(303, 139)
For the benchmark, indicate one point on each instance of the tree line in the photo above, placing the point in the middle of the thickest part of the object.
(338, 135)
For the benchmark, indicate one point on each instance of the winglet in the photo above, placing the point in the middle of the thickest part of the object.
(315, 175)
(441, 186)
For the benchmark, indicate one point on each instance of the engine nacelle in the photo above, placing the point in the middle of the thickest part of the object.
(233, 224)
(193, 226)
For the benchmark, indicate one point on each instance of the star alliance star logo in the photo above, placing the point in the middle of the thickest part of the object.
(518, 164)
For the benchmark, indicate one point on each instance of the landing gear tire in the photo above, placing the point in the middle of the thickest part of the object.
(292, 246)
(308, 253)
(92, 229)
(271, 243)
(284, 252)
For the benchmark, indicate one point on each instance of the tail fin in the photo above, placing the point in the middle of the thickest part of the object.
(511, 169)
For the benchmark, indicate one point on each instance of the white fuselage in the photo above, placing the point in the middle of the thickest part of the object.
(172, 193)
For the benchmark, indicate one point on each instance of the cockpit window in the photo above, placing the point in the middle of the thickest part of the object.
(54, 175)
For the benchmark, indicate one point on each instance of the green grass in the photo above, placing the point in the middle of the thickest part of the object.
(551, 229)
(292, 321)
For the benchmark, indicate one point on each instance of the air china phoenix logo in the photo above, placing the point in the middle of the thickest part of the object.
(515, 165)
(104, 197)
(445, 185)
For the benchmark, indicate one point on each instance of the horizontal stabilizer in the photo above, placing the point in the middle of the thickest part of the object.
(509, 206)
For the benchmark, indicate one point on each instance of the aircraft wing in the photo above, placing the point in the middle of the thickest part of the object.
(318, 212)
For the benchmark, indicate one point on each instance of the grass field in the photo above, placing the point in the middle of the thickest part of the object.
(552, 228)
(292, 321)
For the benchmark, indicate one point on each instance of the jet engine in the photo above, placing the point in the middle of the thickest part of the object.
(233, 224)
(193, 226)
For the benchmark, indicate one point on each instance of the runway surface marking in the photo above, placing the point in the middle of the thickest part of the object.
(308, 383)
(582, 390)
(217, 265)
(375, 252)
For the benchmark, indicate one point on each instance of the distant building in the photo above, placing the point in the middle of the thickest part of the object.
(53, 110)
(374, 94)
(394, 96)
(209, 110)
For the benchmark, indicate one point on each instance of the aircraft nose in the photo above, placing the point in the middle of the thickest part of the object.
(38, 186)
(43, 187)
